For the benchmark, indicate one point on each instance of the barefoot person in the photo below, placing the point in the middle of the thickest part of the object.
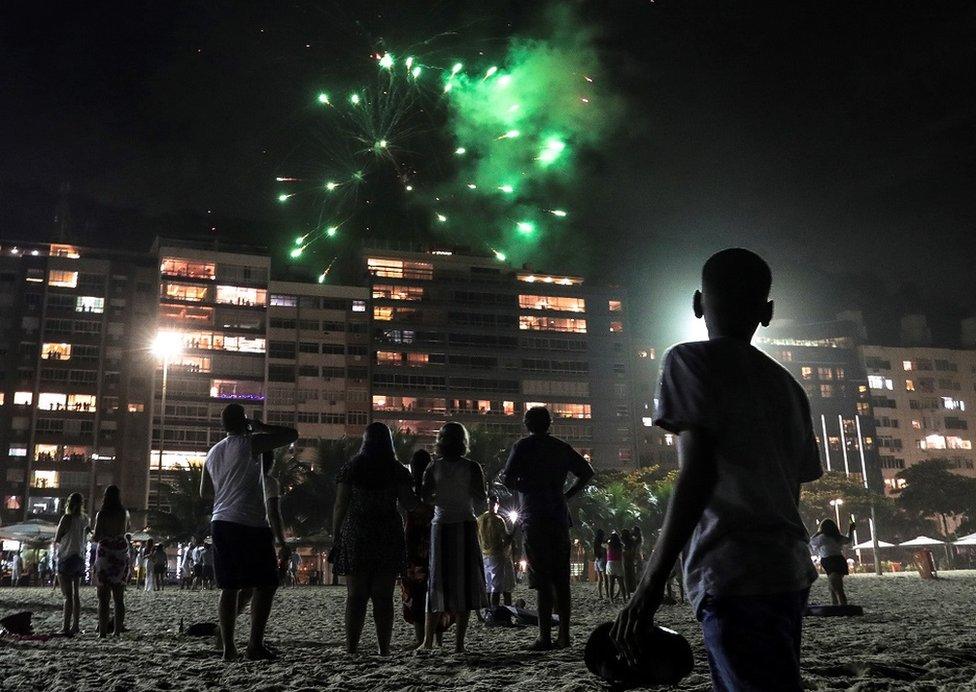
(70, 541)
(828, 544)
(111, 568)
(745, 444)
(455, 485)
(600, 562)
(615, 567)
(496, 551)
(537, 469)
(243, 544)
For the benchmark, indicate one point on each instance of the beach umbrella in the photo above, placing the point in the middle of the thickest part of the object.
(968, 537)
(920, 542)
(966, 541)
(32, 530)
(142, 536)
(868, 544)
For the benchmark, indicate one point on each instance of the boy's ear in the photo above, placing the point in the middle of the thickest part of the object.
(767, 314)
(696, 304)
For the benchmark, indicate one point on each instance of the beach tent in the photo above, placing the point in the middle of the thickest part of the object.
(866, 545)
(32, 530)
(921, 542)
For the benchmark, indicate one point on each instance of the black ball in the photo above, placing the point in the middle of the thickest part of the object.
(667, 658)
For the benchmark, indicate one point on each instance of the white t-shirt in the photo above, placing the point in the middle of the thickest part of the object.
(452, 481)
(73, 540)
(826, 546)
(238, 482)
(750, 539)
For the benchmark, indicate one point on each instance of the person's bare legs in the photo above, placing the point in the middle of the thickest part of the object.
(76, 603)
(104, 593)
(243, 601)
(357, 597)
(65, 584)
(261, 603)
(837, 594)
(227, 615)
(462, 630)
(563, 607)
(545, 596)
(118, 597)
(381, 594)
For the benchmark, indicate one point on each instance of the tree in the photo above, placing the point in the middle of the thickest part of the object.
(931, 489)
(189, 514)
(815, 499)
(490, 449)
(615, 501)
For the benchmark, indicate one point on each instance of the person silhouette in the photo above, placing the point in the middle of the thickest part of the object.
(745, 444)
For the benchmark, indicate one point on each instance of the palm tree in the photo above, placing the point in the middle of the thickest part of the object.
(189, 514)
(490, 449)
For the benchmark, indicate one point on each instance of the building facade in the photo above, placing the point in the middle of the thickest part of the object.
(923, 399)
(75, 395)
(467, 338)
(318, 361)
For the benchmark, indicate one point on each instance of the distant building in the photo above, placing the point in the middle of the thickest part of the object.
(318, 361)
(74, 404)
(467, 338)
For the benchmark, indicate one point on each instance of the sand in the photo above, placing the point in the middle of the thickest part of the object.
(916, 636)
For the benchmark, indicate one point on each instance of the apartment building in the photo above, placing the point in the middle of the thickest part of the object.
(318, 361)
(924, 401)
(74, 329)
(213, 304)
(464, 337)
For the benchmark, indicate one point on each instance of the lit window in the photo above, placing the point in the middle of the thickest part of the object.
(907, 365)
(196, 269)
(909, 386)
(56, 351)
(889, 384)
(825, 373)
(135, 407)
(953, 442)
(399, 269)
(69, 251)
(382, 314)
(388, 357)
(615, 306)
(186, 313)
(178, 459)
(393, 292)
(51, 401)
(561, 303)
(826, 390)
(62, 278)
(806, 372)
(188, 292)
(23, 398)
(953, 404)
(90, 304)
(44, 479)
(647, 422)
(81, 402)
(17, 451)
(359, 306)
(669, 439)
(238, 295)
(876, 381)
(236, 389)
(1, 398)
(11, 502)
(283, 301)
(616, 327)
(45, 452)
(417, 358)
(916, 425)
(508, 408)
(552, 324)
(570, 410)
(543, 278)
(933, 441)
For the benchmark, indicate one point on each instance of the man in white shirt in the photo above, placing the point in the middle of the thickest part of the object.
(243, 543)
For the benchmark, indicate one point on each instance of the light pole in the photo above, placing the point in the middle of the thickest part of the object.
(165, 346)
(836, 505)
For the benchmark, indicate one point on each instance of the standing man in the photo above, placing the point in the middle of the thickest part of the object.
(745, 444)
(496, 552)
(537, 470)
(15, 566)
(243, 544)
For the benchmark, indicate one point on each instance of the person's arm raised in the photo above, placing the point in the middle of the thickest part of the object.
(266, 438)
(692, 491)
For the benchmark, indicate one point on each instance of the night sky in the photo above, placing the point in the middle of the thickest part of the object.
(836, 138)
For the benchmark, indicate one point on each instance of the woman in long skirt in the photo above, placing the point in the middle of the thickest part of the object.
(455, 486)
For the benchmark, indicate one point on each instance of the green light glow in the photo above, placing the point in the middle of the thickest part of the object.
(409, 62)
(415, 71)
(500, 256)
(511, 134)
(504, 80)
(354, 99)
(460, 151)
(491, 70)
(558, 212)
(297, 252)
(331, 231)
(457, 68)
(331, 185)
(321, 278)
(358, 175)
(379, 146)
(324, 99)
(283, 197)
(507, 189)
(448, 87)
(472, 186)
(551, 150)
(525, 227)
(409, 188)
(441, 218)
(299, 240)
(386, 61)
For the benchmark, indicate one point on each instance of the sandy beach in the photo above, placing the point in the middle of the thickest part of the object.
(915, 636)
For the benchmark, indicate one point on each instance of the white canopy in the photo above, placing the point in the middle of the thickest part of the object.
(32, 530)
(868, 544)
(970, 537)
(920, 541)
(966, 540)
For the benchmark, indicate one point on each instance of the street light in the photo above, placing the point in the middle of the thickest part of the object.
(836, 505)
(165, 345)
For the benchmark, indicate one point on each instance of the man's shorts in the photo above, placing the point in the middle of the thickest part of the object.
(244, 556)
(547, 551)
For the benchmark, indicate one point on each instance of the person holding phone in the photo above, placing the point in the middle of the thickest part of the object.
(828, 544)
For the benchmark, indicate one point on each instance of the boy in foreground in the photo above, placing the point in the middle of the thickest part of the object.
(745, 444)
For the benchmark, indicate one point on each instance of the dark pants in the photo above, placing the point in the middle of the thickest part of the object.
(753, 642)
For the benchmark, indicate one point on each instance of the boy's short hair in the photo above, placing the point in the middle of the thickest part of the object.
(538, 419)
(233, 418)
(738, 275)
